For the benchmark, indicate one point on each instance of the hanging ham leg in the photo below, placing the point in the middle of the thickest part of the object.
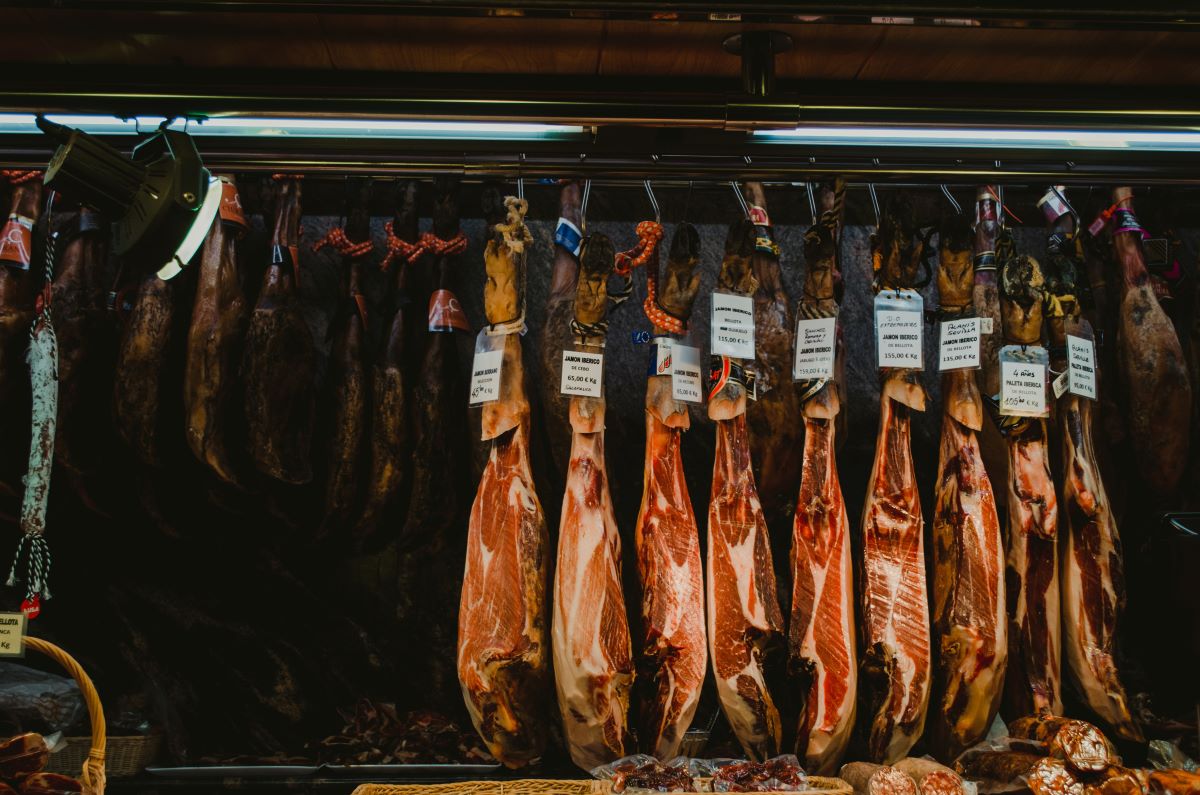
(821, 654)
(279, 365)
(593, 661)
(1092, 592)
(895, 670)
(674, 649)
(1151, 362)
(502, 644)
(969, 623)
(1034, 675)
(18, 288)
(986, 296)
(215, 338)
(745, 625)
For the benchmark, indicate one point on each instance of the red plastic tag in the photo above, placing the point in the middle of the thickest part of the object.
(16, 241)
(445, 312)
(231, 206)
(758, 216)
(32, 606)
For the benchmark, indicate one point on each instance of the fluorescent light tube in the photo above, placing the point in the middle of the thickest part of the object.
(984, 138)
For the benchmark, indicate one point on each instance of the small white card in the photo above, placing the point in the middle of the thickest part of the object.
(958, 346)
(662, 356)
(985, 325)
(732, 325)
(898, 338)
(582, 374)
(1060, 385)
(485, 377)
(1081, 364)
(1022, 389)
(686, 383)
(816, 344)
(12, 634)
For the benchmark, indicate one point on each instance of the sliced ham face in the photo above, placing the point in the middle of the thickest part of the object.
(674, 652)
(1152, 366)
(821, 629)
(895, 672)
(1034, 674)
(969, 623)
(593, 664)
(745, 624)
(1092, 593)
(502, 654)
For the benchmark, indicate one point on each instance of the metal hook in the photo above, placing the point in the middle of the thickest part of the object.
(521, 188)
(741, 199)
(812, 202)
(653, 200)
(874, 203)
(953, 202)
(587, 192)
(999, 202)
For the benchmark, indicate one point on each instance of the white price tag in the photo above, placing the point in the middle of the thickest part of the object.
(12, 634)
(985, 325)
(485, 377)
(898, 338)
(582, 374)
(733, 325)
(958, 345)
(816, 342)
(1060, 385)
(686, 383)
(1081, 365)
(1022, 388)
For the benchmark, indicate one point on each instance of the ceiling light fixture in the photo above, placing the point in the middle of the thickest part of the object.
(987, 138)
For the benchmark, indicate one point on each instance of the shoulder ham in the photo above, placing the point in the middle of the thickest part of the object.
(745, 624)
(503, 659)
(215, 339)
(1151, 361)
(593, 661)
(674, 649)
(894, 674)
(969, 622)
(821, 654)
(279, 365)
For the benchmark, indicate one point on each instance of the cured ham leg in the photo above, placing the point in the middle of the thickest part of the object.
(1034, 671)
(986, 295)
(821, 654)
(215, 338)
(969, 624)
(279, 365)
(1092, 583)
(894, 675)
(1151, 361)
(745, 625)
(593, 660)
(18, 288)
(502, 644)
(674, 650)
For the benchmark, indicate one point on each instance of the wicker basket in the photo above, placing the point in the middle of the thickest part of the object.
(124, 756)
(818, 785)
(92, 767)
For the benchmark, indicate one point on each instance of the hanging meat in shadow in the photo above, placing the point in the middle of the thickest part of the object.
(1151, 361)
(987, 307)
(894, 672)
(674, 650)
(391, 428)
(970, 628)
(19, 282)
(1034, 677)
(593, 660)
(1093, 595)
(346, 403)
(279, 364)
(745, 624)
(774, 418)
(822, 664)
(556, 335)
(86, 349)
(503, 659)
(211, 390)
(441, 457)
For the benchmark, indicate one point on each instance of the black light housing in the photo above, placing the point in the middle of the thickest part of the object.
(160, 199)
